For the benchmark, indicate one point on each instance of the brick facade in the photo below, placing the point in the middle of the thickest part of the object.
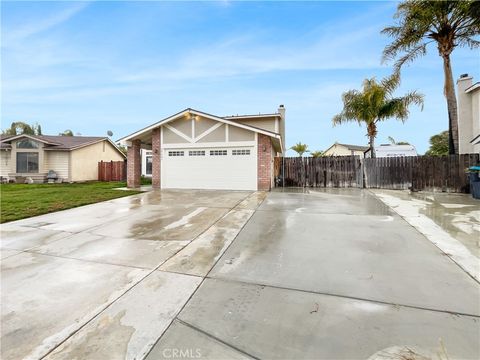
(264, 163)
(156, 158)
(134, 164)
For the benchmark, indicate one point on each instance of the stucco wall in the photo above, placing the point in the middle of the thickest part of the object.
(239, 134)
(202, 125)
(465, 115)
(217, 135)
(169, 137)
(476, 118)
(5, 162)
(264, 123)
(84, 161)
(184, 125)
(58, 161)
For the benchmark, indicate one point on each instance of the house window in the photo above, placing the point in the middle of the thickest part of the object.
(175, 153)
(148, 165)
(218, 152)
(196, 153)
(27, 144)
(27, 162)
(241, 152)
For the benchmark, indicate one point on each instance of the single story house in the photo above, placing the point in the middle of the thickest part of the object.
(73, 158)
(345, 150)
(392, 150)
(468, 94)
(197, 150)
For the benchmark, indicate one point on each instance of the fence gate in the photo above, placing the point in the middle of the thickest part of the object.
(112, 170)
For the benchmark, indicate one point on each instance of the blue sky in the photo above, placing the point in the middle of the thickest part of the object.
(99, 66)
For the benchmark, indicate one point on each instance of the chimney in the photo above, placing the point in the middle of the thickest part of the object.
(465, 114)
(464, 81)
(281, 111)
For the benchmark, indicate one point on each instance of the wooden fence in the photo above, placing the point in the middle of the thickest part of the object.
(331, 171)
(431, 173)
(112, 170)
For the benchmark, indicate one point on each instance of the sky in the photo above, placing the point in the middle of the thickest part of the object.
(97, 66)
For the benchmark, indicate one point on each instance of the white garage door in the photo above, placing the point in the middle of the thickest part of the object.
(210, 168)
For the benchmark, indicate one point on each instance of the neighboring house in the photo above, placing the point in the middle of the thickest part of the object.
(73, 158)
(345, 150)
(196, 150)
(468, 115)
(393, 150)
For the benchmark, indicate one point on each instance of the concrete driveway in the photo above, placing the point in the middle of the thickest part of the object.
(217, 274)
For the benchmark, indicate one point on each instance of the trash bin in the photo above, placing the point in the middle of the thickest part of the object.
(474, 172)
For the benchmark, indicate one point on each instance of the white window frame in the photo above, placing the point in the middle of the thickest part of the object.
(196, 153)
(218, 152)
(176, 153)
(241, 152)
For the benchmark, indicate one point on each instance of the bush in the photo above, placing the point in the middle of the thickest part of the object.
(145, 180)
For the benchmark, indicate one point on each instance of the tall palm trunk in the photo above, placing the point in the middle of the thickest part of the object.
(449, 92)
(372, 132)
(372, 146)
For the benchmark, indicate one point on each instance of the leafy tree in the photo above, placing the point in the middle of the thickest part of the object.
(317, 153)
(67, 132)
(438, 144)
(20, 127)
(300, 148)
(123, 149)
(447, 24)
(393, 142)
(375, 103)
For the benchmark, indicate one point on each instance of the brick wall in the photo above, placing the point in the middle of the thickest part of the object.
(133, 164)
(264, 162)
(156, 158)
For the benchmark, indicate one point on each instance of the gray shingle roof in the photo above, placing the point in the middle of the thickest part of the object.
(355, 147)
(58, 142)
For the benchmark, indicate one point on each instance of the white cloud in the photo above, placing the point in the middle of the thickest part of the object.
(29, 28)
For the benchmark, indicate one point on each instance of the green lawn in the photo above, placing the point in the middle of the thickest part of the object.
(20, 201)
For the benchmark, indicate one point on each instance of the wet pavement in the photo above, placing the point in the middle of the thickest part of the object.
(450, 221)
(345, 274)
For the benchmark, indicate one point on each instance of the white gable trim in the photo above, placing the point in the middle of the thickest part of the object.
(208, 131)
(179, 133)
(15, 137)
(198, 113)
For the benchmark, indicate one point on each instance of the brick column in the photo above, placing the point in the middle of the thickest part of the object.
(156, 183)
(264, 163)
(133, 164)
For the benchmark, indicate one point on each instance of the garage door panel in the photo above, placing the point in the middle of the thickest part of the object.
(196, 171)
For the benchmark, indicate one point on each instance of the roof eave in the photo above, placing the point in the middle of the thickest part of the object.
(199, 113)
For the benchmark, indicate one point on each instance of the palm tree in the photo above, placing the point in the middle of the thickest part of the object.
(376, 103)
(447, 24)
(393, 142)
(300, 148)
(317, 153)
